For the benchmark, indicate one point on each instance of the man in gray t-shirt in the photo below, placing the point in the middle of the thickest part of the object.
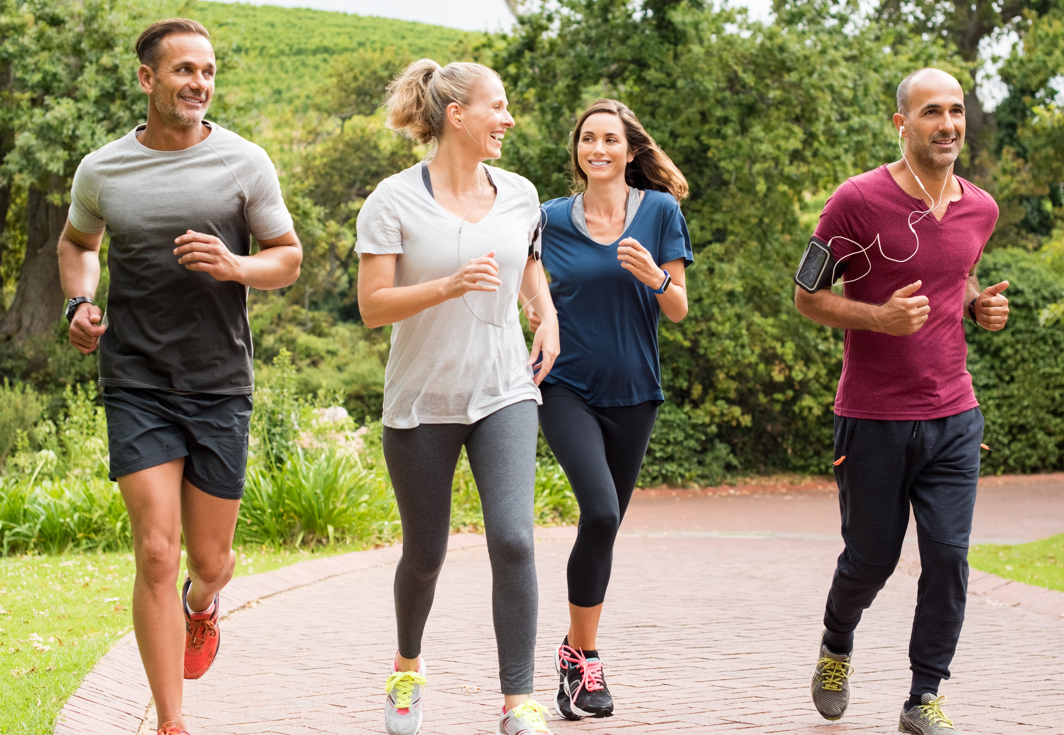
(181, 199)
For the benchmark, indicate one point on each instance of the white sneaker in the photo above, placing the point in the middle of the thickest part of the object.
(402, 709)
(524, 719)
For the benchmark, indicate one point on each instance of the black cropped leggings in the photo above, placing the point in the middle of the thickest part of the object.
(601, 451)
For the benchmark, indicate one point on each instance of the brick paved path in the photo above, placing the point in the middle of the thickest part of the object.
(702, 633)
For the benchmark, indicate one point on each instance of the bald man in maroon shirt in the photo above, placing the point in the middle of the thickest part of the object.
(907, 237)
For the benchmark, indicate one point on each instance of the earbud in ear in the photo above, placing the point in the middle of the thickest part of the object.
(901, 130)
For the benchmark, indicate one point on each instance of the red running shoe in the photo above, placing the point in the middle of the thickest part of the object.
(169, 728)
(202, 638)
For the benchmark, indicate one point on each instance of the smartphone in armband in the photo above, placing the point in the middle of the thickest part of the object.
(818, 268)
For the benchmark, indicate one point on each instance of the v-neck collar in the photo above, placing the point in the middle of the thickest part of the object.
(920, 202)
(596, 243)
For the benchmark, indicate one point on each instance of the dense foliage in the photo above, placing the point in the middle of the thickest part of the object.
(764, 119)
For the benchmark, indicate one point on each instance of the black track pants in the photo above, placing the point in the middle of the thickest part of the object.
(934, 466)
(601, 451)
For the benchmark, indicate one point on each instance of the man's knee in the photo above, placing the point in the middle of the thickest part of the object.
(158, 560)
(866, 574)
(210, 568)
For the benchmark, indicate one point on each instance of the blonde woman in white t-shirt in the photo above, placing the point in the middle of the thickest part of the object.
(446, 248)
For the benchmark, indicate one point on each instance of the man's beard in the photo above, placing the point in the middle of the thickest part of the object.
(171, 110)
(928, 156)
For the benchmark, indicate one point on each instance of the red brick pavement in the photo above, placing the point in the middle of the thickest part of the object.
(702, 632)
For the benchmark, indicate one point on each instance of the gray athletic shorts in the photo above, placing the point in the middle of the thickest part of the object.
(147, 428)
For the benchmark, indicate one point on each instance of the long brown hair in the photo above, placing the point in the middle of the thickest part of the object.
(650, 169)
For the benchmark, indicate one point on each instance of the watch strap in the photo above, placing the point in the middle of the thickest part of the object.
(73, 304)
(665, 283)
(971, 309)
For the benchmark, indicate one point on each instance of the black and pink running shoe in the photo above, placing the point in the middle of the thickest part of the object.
(582, 691)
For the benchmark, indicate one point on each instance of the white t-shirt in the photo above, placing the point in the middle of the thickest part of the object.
(466, 358)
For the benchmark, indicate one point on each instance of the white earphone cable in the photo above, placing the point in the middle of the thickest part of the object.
(461, 262)
(863, 249)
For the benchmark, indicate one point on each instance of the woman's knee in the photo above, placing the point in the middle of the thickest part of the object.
(600, 523)
(512, 549)
(422, 565)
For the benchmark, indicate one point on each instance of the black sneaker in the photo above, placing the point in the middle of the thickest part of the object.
(582, 687)
(561, 704)
(561, 699)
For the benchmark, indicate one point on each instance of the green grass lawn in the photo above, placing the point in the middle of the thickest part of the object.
(1039, 563)
(60, 614)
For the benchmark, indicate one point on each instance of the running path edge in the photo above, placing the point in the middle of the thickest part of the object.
(114, 698)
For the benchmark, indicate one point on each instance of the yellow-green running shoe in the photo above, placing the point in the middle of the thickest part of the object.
(926, 718)
(831, 684)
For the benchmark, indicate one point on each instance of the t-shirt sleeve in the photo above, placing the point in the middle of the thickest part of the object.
(85, 215)
(378, 230)
(675, 238)
(840, 222)
(267, 214)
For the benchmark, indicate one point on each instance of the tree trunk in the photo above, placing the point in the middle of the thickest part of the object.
(39, 297)
(5, 205)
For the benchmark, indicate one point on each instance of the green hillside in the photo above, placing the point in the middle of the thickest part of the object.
(285, 52)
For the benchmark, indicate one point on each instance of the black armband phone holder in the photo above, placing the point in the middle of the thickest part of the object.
(818, 268)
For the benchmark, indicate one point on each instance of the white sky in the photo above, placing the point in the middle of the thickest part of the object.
(469, 15)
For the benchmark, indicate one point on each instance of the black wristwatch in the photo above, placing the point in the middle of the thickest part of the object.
(971, 310)
(73, 304)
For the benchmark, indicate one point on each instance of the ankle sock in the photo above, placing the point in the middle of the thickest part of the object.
(841, 644)
(922, 684)
(190, 611)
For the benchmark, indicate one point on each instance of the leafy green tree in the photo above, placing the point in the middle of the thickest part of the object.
(70, 86)
(761, 120)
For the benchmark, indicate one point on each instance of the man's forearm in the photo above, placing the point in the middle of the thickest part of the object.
(971, 291)
(832, 310)
(273, 267)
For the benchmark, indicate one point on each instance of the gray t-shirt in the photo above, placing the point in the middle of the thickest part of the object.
(466, 358)
(170, 328)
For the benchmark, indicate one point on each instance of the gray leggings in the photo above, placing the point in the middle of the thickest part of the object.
(502, 454)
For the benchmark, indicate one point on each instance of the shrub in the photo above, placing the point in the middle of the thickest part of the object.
(53, 517)
(1018, 373)
(20, 408)
(317, 499)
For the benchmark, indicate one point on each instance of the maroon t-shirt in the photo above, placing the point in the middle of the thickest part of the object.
(922, 375)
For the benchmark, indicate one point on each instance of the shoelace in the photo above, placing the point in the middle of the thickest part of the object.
(403, 682)
(531, 713)
(169, 728)
(934, 714)
(833, 673)
(201, 630)
(590, 671)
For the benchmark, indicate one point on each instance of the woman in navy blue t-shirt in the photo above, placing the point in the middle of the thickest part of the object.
(616, 251)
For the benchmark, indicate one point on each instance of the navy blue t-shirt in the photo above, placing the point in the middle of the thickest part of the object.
(607, 318)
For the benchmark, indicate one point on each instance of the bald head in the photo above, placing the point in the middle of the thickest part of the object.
(927, 80)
